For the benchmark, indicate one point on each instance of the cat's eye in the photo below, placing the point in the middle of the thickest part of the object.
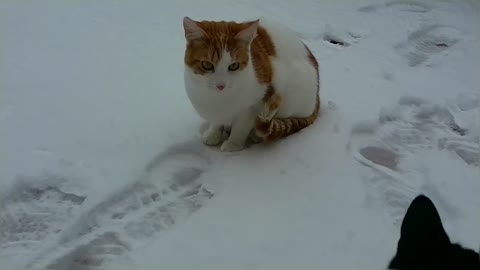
(234, 66)
(207, 65)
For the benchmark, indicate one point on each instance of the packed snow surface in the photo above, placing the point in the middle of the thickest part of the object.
(102, 165)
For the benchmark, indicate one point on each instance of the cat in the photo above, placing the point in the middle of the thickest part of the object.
(253, 75)
(425, 245)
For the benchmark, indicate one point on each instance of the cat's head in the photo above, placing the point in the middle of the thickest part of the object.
(218, 51)
(424, 244)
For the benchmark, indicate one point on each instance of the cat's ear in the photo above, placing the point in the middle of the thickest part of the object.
(422, 236)
(192, 30)
(249, 33)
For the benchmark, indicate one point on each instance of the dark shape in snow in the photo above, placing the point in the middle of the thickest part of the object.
(380, 156)
(425, 245)
(335, 40)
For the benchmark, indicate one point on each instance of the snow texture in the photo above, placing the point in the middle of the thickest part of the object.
(103, 165)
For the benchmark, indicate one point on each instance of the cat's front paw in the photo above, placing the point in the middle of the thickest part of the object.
(230, 146)
(212, 137)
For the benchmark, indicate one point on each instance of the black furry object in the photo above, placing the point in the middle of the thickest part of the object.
(425, 245)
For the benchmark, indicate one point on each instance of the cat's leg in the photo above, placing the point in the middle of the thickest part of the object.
(241, 128)
(213, 135)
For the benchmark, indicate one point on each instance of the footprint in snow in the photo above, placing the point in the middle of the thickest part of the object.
(427, 42)
(171, 189)
(37, 207)
(468, 101)
(93, 254)
(402, 6)
(338, 37)
(342, 38)
(413, 126)
(385, 185)
(335, 39)
(465, 149)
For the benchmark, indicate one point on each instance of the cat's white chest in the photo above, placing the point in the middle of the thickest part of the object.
(209, 107)
(220, 107)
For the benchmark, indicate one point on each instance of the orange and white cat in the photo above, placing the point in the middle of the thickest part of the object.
(249, 75)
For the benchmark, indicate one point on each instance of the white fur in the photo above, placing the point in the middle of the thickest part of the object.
(295, 79)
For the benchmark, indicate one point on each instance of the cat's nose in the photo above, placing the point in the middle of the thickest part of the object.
(220, 86)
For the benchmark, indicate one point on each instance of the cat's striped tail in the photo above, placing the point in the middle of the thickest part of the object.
(276, 128)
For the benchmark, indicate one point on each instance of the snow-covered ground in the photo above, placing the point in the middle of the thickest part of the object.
(102, 166)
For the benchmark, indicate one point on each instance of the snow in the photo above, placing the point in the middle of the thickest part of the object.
(103, 166)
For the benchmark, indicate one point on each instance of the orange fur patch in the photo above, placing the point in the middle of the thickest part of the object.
(220, 37)
(273, 129)
(262, 49)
